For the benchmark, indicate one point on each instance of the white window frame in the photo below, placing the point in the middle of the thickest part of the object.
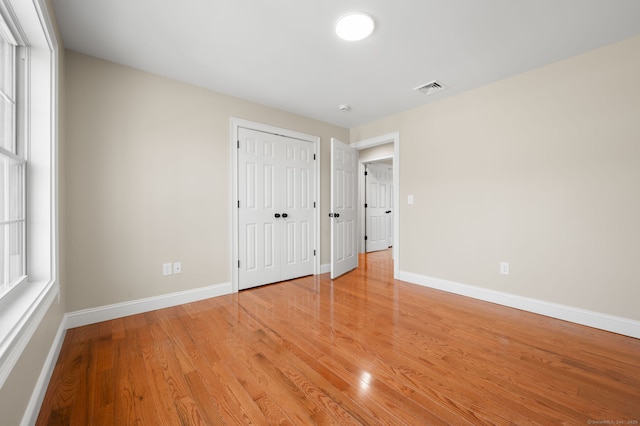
(24, 306)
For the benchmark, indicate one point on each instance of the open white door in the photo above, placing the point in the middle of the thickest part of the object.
(344, 167)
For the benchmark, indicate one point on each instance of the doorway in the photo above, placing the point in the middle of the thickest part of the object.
(388, 149)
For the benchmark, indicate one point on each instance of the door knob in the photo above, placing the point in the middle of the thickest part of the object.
(285, 215)
(277, 215)
(388, 211)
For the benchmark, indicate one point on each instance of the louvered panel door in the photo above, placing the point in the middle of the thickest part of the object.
(275, 217)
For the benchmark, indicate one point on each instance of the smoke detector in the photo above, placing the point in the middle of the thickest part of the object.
(344, 108)
(430, 88)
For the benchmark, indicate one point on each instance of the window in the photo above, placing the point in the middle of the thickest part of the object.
(28, 175)
(12, 168)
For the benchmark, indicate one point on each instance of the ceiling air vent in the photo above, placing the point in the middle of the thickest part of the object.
(430, 88)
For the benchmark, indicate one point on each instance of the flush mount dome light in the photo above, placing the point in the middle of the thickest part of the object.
(355, 26)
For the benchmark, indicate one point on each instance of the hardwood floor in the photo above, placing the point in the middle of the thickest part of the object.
(362, 349)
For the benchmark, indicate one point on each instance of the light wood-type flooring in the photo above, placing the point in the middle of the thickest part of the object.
(361, 349)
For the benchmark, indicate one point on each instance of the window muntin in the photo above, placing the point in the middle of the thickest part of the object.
(7, 95)
(12, 171)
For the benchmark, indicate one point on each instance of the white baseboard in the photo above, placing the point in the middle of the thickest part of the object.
(118, 310)
(40, 389)
(324, 268)
(624, 326)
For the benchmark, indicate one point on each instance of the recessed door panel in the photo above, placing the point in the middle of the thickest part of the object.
(341, 237)
(305, 238)
(269, 187)
(252, 247)
(305, 190)
(290, 193)
(269, 246)
(252, 184)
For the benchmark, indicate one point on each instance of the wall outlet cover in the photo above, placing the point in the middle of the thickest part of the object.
(166, 269)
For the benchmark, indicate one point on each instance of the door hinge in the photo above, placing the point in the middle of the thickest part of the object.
(238, 264)
(238, 144)
(314, 156)
(314, 204)
(238, 203)
(366, 205)
(366, 173)
(314, 252)
(366, 238)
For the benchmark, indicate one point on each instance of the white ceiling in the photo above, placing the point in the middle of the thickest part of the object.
(285, 54)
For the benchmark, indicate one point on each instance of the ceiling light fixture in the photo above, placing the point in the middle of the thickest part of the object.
(355, 26)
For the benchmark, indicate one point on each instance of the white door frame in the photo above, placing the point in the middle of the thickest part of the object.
(381, 140)
(235, 124)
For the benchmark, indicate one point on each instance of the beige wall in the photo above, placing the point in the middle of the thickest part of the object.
(541, 170)
(147, 181)
(376, 152)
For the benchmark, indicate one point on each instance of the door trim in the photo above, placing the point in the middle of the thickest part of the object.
(235, 124)
(381, 140)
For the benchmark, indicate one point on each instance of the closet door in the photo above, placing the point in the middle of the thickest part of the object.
(275, 216)
(298, 205)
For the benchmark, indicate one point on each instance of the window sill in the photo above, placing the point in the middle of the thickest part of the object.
(20, 314)
(7, 294)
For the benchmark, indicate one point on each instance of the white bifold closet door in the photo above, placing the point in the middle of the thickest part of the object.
(276, 183)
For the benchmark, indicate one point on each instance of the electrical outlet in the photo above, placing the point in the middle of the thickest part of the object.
(166, 269)
(177, 267)
(504, 268)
